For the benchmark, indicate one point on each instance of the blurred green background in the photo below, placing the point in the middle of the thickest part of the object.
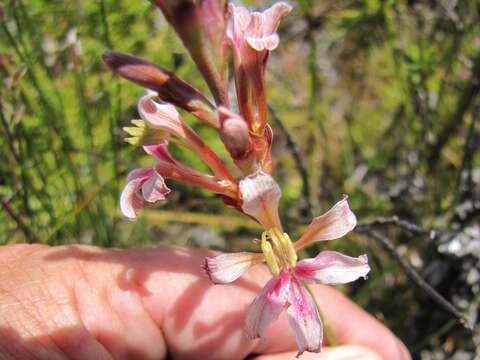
(380, 97)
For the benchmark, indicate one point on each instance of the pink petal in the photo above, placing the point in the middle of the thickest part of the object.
(258, 28)
(161, 116)
(335, 223)
(160, 152)
(263, 43)
(331, 267)
(225, 268)
(260, 194)
(267, 306)
(304, 319)
(155, 189)
(130, 200)
(241, 17)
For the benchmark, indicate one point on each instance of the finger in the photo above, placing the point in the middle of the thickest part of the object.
(344, 352)
(198, 318)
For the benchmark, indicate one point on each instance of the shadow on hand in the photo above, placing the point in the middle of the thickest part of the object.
(139, 267)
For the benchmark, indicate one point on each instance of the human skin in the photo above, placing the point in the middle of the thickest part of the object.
(80, 302)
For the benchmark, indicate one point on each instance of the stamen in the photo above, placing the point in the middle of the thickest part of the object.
(141, 134)
(269, 256)
(282, 246)
(289, 249)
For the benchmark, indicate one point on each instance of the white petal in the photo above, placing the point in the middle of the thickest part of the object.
(267, 306)
(304, 319)
(263, 43)
(225, 268)
(331, 267)
(273, 15)
(335, 223)
(260, 194)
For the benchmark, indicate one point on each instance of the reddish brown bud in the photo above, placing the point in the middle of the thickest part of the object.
(201, 25)
(234, 134)
(169, 87)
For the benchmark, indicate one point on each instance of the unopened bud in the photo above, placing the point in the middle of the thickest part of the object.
(201, 26)
(235, 135)
(166, 84)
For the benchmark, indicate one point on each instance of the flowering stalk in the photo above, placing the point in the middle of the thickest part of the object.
(202, 27)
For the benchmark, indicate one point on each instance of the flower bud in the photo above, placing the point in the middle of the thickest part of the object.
(234, 134)
(169, 87)
(201, 25)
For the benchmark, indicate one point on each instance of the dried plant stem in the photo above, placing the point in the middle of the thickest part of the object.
(417, 279)
(29, 236)
(400, 223)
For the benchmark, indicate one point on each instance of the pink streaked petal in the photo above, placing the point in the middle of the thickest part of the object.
(160, 152)
(130, 200)
(240, 16)
(260, 194)
(304, 319)
(225, 268)
(263, 43)
(141, 173)
(331, 267)
(335, 223)
(155, 189)
(268, 305)
(161, 116)
(255, 26)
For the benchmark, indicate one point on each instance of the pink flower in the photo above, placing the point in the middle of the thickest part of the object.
(151, 185)
(151, 181)
(163, 122)
(285, 291)
(253, 36)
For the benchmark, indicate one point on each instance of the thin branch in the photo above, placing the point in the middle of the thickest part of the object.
(31, 238)
(400, 223)
(417, 279)
(299, 163)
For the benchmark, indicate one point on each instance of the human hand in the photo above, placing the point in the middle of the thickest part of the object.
(79, 302)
